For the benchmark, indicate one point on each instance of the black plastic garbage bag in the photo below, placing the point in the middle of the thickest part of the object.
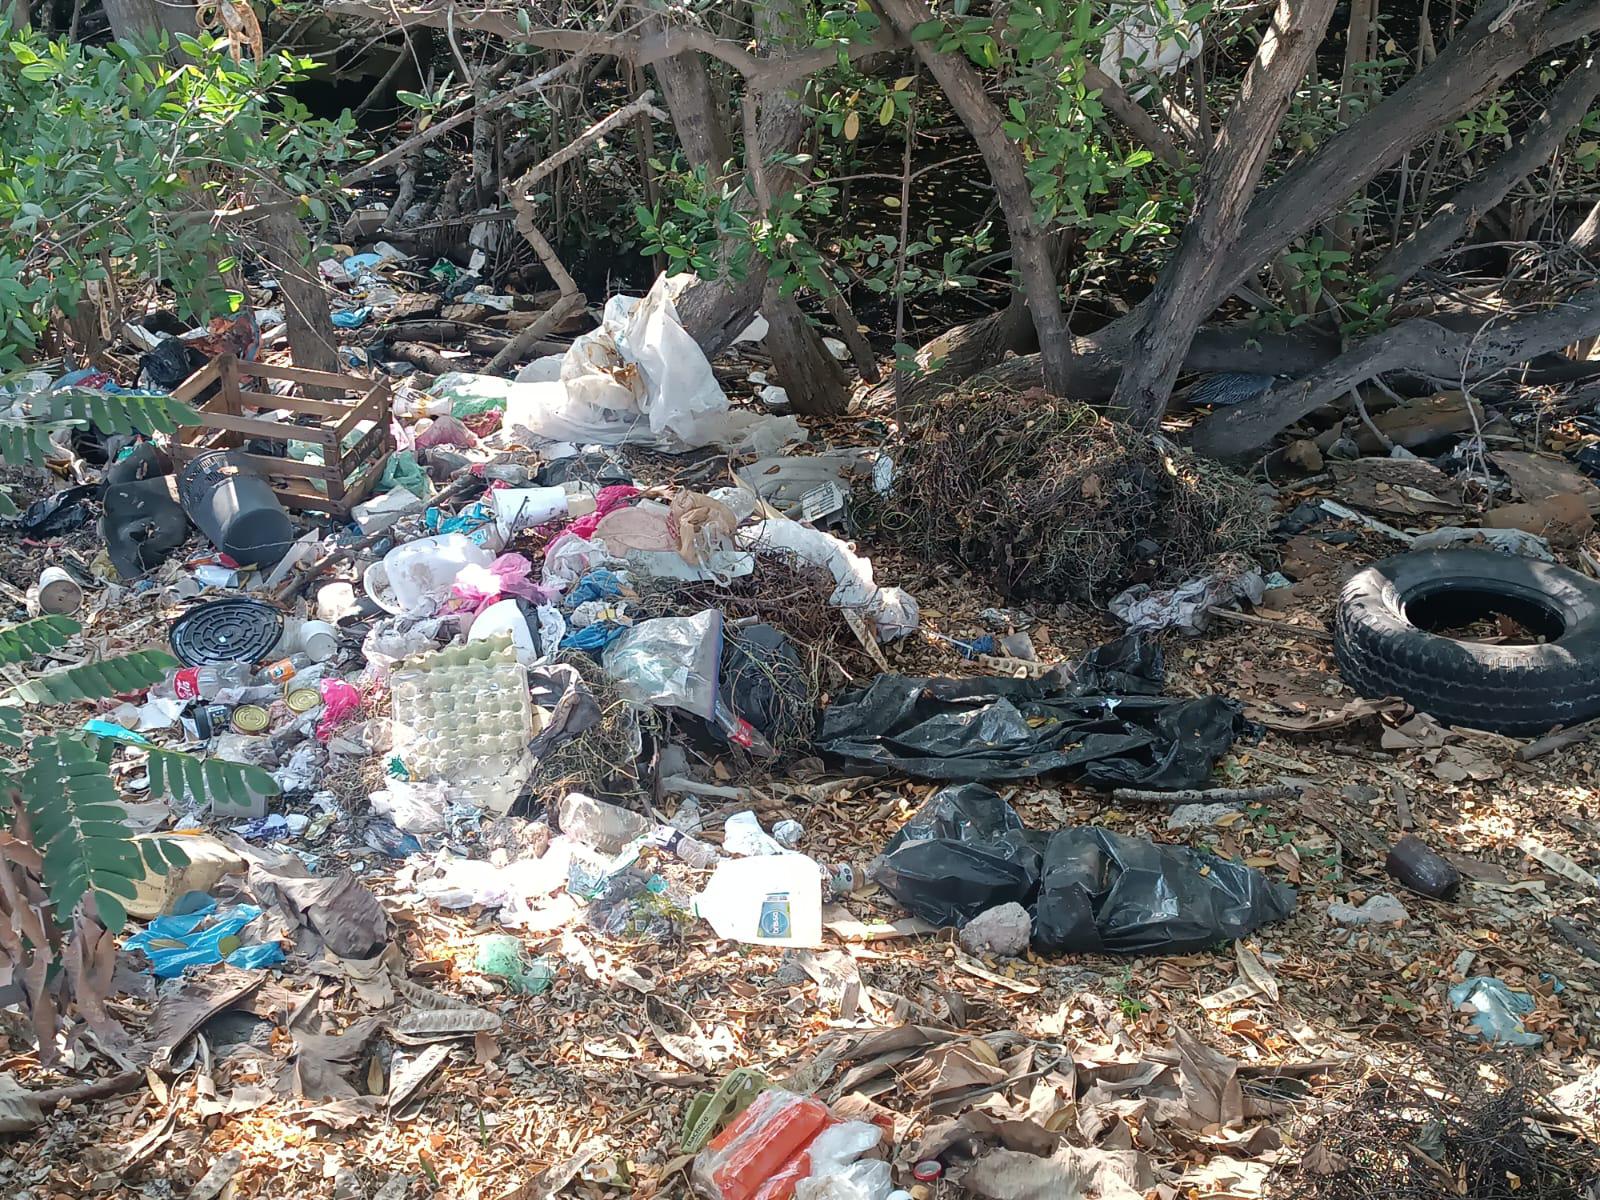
(1103, 892)
(989, 728)
(949, 882)
(169, 364)
(1129, 666)
(967, 813)
(58, 513)
(764, 681)
(143, 523)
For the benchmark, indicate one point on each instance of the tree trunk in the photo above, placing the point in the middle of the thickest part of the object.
(1226, 183)
(1586, 237)
(1457, 216)
(305, 304)
(1470, 68)
(716, 311)
(143, 21)
(1418, 346)
(1030, 244)
(814, 380)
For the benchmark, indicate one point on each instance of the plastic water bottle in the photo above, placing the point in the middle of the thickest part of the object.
(606, 827)
(202, 683)
(768, 901)
(690, 851)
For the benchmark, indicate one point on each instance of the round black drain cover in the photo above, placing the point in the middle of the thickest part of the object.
(234, 630)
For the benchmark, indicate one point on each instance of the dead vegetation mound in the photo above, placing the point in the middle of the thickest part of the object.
(1052, 501)
(1417, 1137)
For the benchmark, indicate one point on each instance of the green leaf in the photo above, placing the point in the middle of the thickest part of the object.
(413, 99)
(96, 680)
(38, 636)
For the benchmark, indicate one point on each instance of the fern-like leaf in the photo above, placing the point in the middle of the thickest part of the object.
(38, 636)
(24, 442)
(8, 507)
(80, 827)
(98, 679)
(10, 726)
(212, 780)
(125, 413)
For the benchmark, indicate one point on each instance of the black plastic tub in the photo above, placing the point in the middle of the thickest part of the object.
(236, 509)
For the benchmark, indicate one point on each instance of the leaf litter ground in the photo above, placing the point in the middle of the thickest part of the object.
(583, 1090)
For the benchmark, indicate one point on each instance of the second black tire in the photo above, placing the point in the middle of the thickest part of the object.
(1385, 646)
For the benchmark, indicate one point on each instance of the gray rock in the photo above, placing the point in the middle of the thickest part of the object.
(1003, 931)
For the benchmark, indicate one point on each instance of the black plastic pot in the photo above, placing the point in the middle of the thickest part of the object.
(237, 510)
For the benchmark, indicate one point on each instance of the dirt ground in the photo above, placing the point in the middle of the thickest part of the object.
(583, 1091)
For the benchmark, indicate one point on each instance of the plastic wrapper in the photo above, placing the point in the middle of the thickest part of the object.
(1102, 892)
(987, 728)
(778, 1142)
(1499, 1010)
(339, 701)
(567, 559)
(192, 939)
(891, 610)
(670, 661)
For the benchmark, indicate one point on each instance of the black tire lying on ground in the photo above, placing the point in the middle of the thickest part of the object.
(1386, 644)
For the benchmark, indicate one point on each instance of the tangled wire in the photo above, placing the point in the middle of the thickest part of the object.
(1418, 1136)
(1050, 500)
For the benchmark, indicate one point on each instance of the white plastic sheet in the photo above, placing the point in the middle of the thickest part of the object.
(638, 378)
(892, 610)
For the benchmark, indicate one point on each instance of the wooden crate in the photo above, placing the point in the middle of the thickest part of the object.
(347, 476)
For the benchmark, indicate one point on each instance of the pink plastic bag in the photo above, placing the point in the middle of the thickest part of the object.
(606, 500)
(478, 587)
(339, 700)
(446, 431)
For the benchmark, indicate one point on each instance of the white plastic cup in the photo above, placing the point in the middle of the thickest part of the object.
(319, 639)
(56, 593)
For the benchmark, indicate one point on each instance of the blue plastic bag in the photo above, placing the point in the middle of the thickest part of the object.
(200, 941)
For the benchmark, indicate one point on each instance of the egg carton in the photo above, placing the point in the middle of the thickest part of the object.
(463, 716)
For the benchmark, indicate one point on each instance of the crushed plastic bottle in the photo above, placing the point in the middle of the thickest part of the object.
(688, 850)
(606, 827)
(284, 669)
(202, 683)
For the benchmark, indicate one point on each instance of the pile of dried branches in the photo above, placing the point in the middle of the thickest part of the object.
(1050, 500)
(604, 760)
(1416, 1136)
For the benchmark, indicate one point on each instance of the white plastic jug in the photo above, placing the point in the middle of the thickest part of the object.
(769, 901)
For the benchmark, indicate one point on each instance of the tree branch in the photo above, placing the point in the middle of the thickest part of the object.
(1031, 253)
(766, 72)
(1222, 195)
(1457, 216)
(1419, 346)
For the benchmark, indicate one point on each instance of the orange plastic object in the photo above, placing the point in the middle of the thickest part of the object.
(781, 1186)
(772, 1132)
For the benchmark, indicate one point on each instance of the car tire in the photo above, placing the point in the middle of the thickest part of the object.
(1385, 644)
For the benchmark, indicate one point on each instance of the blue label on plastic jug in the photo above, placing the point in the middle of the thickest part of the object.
(774, 922)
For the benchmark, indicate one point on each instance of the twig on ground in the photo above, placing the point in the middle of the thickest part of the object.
(1303, 632)
(1250, 795)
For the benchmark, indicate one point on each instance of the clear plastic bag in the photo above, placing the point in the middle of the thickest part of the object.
(670, 661)
(763, 1153)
